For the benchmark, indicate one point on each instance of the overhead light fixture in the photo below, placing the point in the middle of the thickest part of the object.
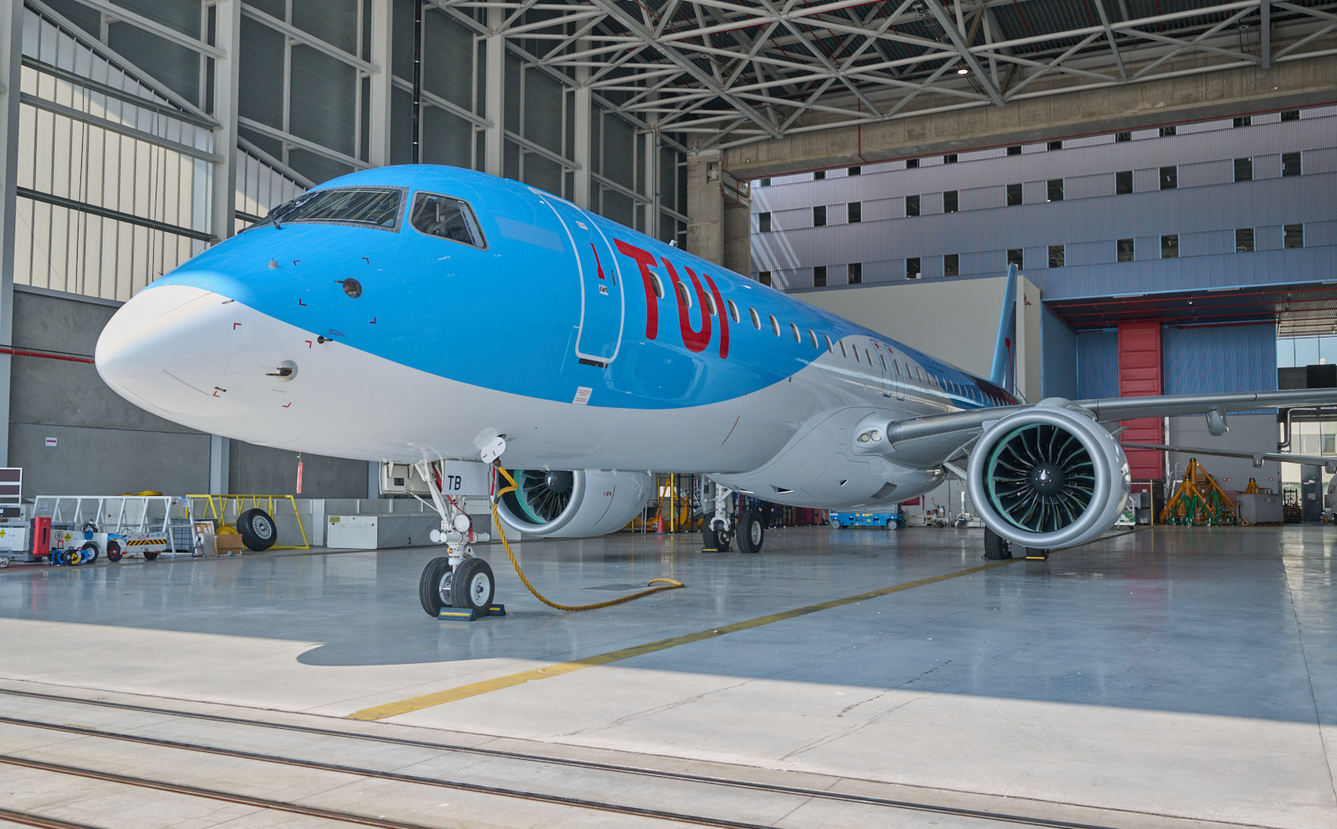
(963, 71)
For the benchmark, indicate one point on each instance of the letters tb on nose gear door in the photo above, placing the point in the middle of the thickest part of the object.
(602, 308)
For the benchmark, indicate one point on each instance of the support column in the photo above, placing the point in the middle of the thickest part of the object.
(220, 451)
(651, 138)
(705, 205)
(223, 213)
(582, 153)
(11, 51)
(378, 127)
(1140, 376)
(494, 95)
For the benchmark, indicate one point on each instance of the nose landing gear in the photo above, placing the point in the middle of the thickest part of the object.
(456, 585)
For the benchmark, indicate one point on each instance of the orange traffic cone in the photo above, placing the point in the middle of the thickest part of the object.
(659, 525)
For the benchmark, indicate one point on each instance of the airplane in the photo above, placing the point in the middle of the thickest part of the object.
(420, 314)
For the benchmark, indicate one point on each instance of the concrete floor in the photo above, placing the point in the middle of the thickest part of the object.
(1168, 672)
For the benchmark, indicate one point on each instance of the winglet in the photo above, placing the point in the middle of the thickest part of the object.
(1002, 346)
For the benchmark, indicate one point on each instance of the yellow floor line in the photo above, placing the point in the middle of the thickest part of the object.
(392, 709)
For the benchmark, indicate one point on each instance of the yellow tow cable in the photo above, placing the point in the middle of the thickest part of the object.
(664, 584)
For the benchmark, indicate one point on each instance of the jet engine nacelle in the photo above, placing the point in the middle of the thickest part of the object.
(573, 504)
(1048, 477)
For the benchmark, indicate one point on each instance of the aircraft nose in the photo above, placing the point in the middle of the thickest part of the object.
(166, 350)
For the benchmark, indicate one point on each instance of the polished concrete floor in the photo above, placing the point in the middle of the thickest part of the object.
(1171, 672)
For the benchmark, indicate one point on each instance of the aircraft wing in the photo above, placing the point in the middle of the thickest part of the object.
(1258, 458)
(927, 441)
(1128, 408)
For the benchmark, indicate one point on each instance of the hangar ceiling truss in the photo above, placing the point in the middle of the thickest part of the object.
(739, 71)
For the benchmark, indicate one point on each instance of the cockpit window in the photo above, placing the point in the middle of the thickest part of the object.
(362, 206)
(446, 217)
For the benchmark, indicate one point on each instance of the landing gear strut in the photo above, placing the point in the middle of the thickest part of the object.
(724, 527)
(456, 581)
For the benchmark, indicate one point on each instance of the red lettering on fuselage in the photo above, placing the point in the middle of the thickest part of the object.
(695, 341)
(645, 261)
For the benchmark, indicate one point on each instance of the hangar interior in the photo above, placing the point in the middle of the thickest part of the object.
(1163, 173)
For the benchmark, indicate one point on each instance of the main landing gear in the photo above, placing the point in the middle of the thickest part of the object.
(724, 527)
(997, 548)
(456, 585)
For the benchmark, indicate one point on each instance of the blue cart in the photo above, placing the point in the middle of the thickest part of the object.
(867, 519)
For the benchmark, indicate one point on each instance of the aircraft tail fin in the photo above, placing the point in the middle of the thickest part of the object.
(1002, 349)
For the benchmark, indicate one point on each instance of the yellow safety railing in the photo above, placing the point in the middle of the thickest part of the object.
(217, 509)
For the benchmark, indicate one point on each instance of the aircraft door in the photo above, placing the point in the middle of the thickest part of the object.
(602, 308)
(897, 377)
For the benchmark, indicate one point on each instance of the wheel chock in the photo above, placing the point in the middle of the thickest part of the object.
(710, 550)
(1036, 555)
(457, 614)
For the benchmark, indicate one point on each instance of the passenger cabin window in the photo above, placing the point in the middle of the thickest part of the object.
(775, 325)
(447, 218)
(813, 334)
(829, 346)
(733, 309)
(710, 304)
(685, 295)
(756, 318)
(365, 206)
(798, 338)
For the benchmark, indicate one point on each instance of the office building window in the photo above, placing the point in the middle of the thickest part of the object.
(1056, 256)
(1124, 250)
(1014, 256)
(819, 175)
(1055, 145)
(1170, 246)
(949, 201)
(854, 212)
(1295, 236)
(1015, 149)
(765, 183)
(819, 276)
(1166, 132)
(911, 163)
(1244, 240)
(819, 216)
(855, 171)
(1169, 178)
(951, 264)
(1013, 194)
(1244, 169)
(764, 222)
(1291, 115)
(1123, 182)
(1244, 121)
(911, 205)
(950, 158)
(1290, 164)
(1120, 137)
(855, 273)
(1055, 189)
(764, 277)
(912, 268)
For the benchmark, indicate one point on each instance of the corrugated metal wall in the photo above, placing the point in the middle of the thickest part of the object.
(1059, 377)
(1097, 364)
(1204, 210)
(1219, 359)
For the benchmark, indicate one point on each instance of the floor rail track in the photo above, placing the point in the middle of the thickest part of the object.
(793, 791)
